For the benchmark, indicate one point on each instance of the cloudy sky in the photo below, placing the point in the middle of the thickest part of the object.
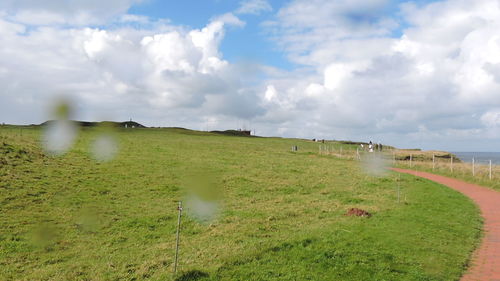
(412, 74)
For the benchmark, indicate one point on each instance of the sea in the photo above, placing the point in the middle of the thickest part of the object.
(479, 157)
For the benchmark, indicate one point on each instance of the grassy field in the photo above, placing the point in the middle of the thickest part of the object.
(281, 213)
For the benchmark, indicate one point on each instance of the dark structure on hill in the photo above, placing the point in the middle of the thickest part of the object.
(126, 124)
(238, 133)
(131, 124)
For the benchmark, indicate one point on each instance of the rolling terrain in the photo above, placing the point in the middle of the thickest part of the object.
(271, 214)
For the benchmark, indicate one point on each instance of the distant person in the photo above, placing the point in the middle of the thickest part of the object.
(370, 146)
(380, 146)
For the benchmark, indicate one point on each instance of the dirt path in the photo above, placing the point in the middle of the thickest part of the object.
(486, 259)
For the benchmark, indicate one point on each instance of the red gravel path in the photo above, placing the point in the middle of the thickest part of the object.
(486, 259)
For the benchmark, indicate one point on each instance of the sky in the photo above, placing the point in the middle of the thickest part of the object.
(413, 74)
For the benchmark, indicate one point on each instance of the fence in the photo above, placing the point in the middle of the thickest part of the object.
(340, 152)
(481, 169)
(439, 162)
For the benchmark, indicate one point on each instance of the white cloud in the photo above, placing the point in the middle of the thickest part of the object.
(254, 7)
(491, 118)
(134, 19)
(165, 74)
(439, 80)
(270, 94)
(9, 28)
(442, 70)
(230, 19)
(74, 12)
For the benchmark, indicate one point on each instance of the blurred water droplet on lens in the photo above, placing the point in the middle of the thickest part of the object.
(88, 221)
(59, 136)
(62, 110)
(44, 235)
(104, 148)
(203, 198)
(201, 209)
(374, 164)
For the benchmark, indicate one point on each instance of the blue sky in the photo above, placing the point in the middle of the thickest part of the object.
(251, 42)
(406, 73)
(248, 43)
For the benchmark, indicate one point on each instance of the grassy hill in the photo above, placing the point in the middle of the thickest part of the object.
(280, 214)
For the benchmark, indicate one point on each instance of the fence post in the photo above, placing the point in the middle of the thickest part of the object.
(473, 167)
(393, 158)
(411, 159)
(490, 169)
(399, 187)
(178, 236)
(451, 163)
(433, 161)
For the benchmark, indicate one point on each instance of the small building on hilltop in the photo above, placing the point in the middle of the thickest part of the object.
(131, 125)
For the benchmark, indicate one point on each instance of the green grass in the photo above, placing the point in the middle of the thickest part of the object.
(281, 216)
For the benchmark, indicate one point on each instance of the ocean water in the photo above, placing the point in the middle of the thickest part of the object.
(479, 157)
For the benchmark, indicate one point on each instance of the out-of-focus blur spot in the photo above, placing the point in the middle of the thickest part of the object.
(59, 136)
(202, 210)
(62, 110)
(203, 195)
(44, 235)
(88, 221)
(60, 133)
(374, 164)
(104, 148)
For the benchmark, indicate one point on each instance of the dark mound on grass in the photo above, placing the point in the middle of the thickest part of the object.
(358, 213)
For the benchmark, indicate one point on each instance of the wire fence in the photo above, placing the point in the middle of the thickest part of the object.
(477, 168)
(441, 163)
(340, 151)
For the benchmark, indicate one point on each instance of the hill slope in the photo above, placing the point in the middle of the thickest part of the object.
(279, 215)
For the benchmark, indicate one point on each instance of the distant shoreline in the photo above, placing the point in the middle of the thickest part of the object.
(479, 157)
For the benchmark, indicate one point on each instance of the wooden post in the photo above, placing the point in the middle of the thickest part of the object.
(490, 169)
(178, 236)
(411, 160)
(393, 158)
(473, 167)
(451, 163)
(399, 186)
(433, 161)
